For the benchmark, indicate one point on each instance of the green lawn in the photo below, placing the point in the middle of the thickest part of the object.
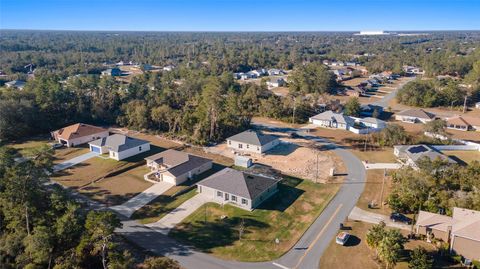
(161, 205)
(285, 216)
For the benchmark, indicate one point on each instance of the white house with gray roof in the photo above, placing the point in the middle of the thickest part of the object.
(252, 141)
(176, 167)
(331, 119)
(119, 146)
(238, 188)
(412, 154)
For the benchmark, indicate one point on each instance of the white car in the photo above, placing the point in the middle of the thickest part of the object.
(342, 238)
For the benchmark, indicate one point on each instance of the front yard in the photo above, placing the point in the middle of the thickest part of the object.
(285, 216)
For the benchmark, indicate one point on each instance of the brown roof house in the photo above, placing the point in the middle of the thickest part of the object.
(252, 142)
(176, 167)
(238, 188)
(464, 123)
(415, 116)
(78, 134)
(461, 231)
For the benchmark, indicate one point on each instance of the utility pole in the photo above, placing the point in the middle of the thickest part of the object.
(383, 185)
(294, 108)
(316, 174)
(465, 104)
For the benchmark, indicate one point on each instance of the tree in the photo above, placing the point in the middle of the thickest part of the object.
(392, 134)
(436, 127)
(419, 259)
(352, 107)
(390, 247)
(375, 235)
(160, 263)
(312, 78)
(98, 236)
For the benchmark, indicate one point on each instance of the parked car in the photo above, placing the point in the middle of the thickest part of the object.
(293, 135)
(397, 217)
(56, 145)
(342, 238)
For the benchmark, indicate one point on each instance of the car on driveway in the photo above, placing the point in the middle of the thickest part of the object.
(397, 217)
(342, 238)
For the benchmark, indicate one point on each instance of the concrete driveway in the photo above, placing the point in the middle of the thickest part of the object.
(165, 224)
(140, 200)
(74, 161)
(373, 166)
(370, 217)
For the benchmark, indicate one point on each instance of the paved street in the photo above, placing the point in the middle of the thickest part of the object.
(307, 251)
(387, 98)
(74, 161)
(141, 199)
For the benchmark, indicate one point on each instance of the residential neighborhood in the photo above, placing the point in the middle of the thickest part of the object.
(188, 135)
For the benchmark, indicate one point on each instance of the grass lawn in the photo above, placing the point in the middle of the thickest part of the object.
(373, 192)
(64, 154)
(120, 188)
(465, 156)
(24, 146)
(361, 256)
(285, 216)
(163, 204)
(380, 155)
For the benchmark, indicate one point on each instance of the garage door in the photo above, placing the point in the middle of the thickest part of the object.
(95, 149)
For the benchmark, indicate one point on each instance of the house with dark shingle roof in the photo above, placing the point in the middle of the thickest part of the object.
(238, 188)
(252, 141)
(119, 146)
(414, 116)
(78, 134)
(176, 167)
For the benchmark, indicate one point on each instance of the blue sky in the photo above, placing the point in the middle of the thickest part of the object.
(235, 15)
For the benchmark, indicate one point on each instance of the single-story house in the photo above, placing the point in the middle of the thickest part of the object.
(275, 72)
(176, 167)
(461, 231)
(373, 123)
(238, 188)
(331, 119)
(411, 154)
(78, 134)
(252, 141)
(114, 72)
(414, 116)
(276, 82)
(17, 84)
(356, 91)
(168, 68)
(463, 123)
(119, 146)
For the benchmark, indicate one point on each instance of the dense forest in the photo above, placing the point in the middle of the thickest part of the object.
(199, 101)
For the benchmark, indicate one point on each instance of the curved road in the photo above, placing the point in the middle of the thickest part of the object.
(307, 251)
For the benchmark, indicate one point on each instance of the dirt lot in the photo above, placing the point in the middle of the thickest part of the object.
(294, 157)
(361, 256)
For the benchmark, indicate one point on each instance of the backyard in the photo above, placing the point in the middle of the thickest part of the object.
(287, 215)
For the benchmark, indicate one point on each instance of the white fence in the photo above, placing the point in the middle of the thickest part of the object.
(466, 145)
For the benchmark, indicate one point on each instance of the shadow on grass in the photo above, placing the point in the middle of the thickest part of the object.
(353, 241)
(287, 194)
(216, 233)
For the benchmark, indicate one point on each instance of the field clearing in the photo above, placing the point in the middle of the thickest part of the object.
(286, 216)
(118, 189)
(466, 156)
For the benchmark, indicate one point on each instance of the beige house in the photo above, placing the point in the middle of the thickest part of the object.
(238, 188)
(414, 116)
(78, 134)
(464, 123)
(176, 167)
(252, 142)
(461, 231)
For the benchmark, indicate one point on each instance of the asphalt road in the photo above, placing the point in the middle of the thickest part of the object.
(307, 251)
(387, 98)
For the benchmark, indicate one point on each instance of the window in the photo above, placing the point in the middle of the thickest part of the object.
(244, 201)
(240, 146)
(113, 153)
(219, 194)
(140, 148)
(248, 146)
(234, 198)
(229, 142)
(258, 148)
